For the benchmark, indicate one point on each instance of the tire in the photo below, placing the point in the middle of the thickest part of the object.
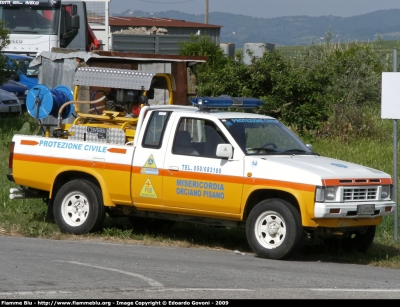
(274, 229)
(358, 240)
(78, 207)
(145, 224)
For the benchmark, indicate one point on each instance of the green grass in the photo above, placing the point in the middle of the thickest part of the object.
(291, 51)
(28, 217)
(377, 154)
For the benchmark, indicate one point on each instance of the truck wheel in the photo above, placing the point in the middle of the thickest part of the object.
(78, 207)
(274, 229)
(360, 241)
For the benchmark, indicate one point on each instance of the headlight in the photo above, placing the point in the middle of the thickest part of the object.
(325, 193)
(385, 191)
(330, 193)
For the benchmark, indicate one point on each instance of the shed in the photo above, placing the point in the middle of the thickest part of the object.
(169, 30)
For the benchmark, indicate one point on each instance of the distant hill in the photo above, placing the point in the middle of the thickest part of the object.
(293, 30)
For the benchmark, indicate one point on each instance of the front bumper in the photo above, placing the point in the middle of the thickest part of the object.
(349, 210)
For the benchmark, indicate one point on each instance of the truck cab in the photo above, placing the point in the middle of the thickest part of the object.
(201, 163)
(36, 26)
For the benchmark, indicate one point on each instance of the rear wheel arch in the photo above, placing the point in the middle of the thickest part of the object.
(64, 177)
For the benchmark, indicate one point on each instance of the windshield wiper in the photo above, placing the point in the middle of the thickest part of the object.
(25, 31)
(266, 151)
(260, 150)
(294, 151)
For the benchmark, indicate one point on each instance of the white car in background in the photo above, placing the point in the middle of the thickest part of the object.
(9, 104)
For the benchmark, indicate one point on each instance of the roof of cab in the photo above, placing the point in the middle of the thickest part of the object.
(220, 114)
(15, 56)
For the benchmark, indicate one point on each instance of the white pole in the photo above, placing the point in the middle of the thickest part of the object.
(206, 12)
(395, 178)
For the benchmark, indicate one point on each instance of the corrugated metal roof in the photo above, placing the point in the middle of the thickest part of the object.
(156, 22)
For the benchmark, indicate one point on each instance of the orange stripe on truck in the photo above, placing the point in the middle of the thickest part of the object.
(117, 150)
(192, 175)
(279, 184)
(64, 161)
(29, 142)
(234, 179)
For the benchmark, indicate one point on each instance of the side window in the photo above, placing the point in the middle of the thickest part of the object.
(155, 129)
(213, 137)
(197, 137)
(184, 137)
(67, 12)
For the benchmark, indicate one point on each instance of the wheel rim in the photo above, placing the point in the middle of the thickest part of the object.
(270, 229)
(75, 209)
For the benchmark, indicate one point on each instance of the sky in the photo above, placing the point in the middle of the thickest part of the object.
(259, 8)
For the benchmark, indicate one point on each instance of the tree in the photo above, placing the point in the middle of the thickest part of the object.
(5, 74)
(320, 91)
(203, 45)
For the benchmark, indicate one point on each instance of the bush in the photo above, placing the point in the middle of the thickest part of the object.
(322, 92)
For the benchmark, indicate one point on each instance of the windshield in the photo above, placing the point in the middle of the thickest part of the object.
(23, 66)
(264, 136)
(30, 71)
(20, 20)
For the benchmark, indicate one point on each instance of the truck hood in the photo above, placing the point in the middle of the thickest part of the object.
(309, 169)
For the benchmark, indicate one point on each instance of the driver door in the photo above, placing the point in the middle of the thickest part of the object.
(195, 179)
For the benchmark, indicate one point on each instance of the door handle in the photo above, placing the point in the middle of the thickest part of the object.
(173, 168)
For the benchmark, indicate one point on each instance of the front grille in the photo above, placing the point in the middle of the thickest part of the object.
(357, 194)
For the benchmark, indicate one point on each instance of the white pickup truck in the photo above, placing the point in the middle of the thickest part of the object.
(201, 164)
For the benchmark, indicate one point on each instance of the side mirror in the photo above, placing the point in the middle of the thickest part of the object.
(75, 21)
(224, 151)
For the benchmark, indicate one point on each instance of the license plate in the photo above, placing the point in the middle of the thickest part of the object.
(365, 209)
(13, 109)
